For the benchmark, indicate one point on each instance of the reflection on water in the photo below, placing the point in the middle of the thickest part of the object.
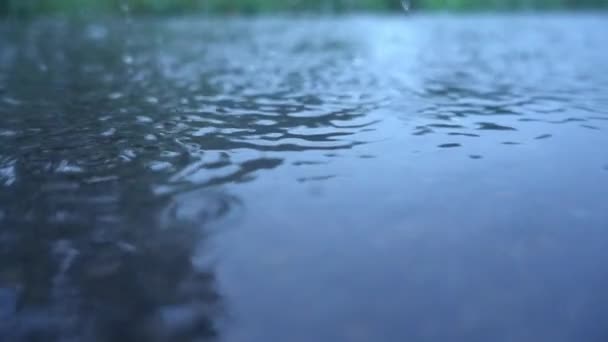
(122, 159)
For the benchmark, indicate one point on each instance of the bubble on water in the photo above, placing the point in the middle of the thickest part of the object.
(406, 4)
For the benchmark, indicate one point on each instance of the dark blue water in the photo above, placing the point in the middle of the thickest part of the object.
(440, 178)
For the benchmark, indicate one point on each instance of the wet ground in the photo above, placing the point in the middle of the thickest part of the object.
(421, 178)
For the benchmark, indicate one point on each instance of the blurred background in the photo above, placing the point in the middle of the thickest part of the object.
(29, 7)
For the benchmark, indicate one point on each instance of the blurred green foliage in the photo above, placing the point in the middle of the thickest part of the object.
(25, 7)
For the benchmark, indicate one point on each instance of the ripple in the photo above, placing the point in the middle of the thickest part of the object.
(67, 167)
(114, 174)
(160, 166)
(198, 208)
(144, 119)
(488, 126)
(451, 145)
(315, 178)
(8, 174)
(7, 133)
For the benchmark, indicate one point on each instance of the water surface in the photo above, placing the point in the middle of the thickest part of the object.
(422, 178)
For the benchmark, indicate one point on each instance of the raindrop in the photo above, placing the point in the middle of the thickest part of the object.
(406, 4)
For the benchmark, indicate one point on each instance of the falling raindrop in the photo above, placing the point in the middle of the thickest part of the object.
(406, 4)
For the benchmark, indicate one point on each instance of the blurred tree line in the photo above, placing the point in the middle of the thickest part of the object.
(24, 7)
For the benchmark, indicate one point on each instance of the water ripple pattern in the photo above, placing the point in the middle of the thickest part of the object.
(124, 145)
